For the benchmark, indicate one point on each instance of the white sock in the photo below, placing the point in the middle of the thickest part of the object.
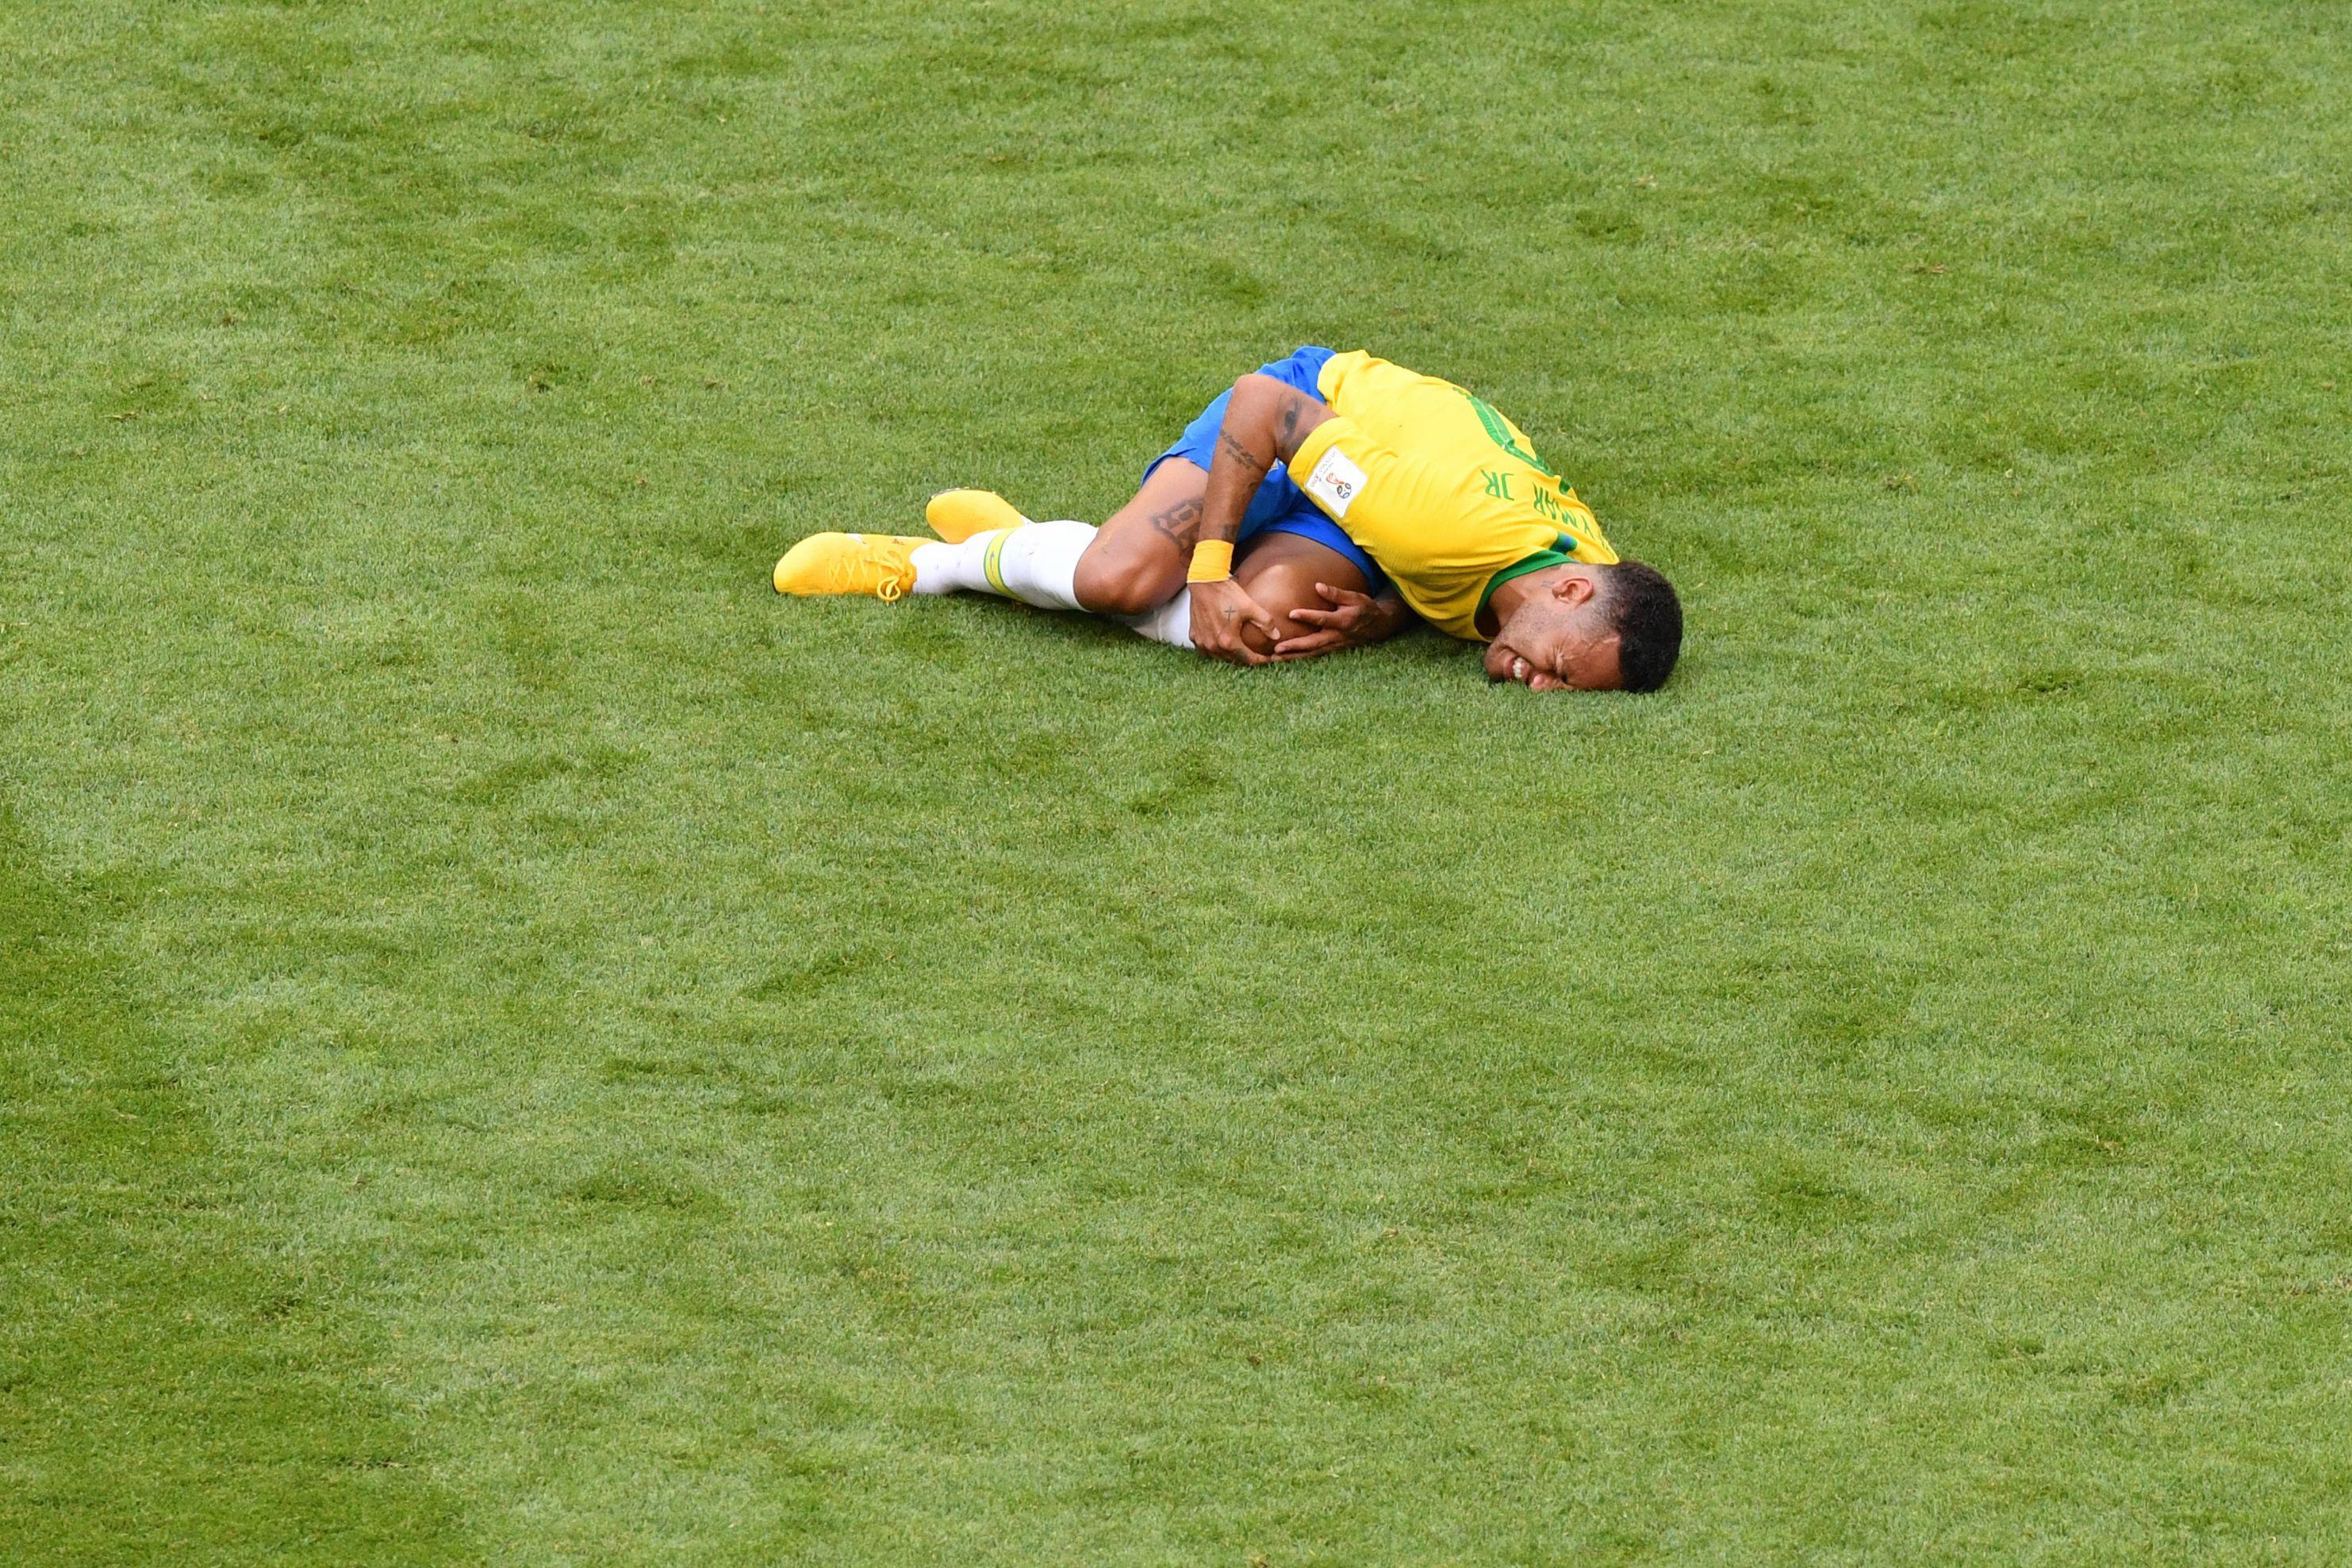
(1036, 563)
(1039, 565)
(1170, 623)
(940, 568)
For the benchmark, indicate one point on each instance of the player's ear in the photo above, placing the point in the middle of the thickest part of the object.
(1574, 589)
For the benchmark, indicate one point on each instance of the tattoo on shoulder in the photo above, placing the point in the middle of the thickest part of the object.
(1181, 523)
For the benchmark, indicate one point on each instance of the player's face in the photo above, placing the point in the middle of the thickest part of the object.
(1551, 647)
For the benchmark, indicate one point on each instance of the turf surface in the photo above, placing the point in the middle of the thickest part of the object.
(516, 1044)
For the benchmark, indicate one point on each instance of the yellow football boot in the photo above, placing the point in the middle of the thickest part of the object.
(956, 515)
(878, 564)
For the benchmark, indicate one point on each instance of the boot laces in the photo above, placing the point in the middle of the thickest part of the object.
(890, 590)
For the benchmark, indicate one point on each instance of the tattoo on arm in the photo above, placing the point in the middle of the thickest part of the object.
(1287, 433)
(1239, 453)
(1181, 523)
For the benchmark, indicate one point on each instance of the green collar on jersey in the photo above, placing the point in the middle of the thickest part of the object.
(1560, 554)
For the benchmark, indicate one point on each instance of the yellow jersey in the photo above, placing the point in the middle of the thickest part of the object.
(1438, 488)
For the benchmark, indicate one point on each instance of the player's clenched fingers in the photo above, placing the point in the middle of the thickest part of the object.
(1225, 642)
(1309, 646)
(1236, 653)
(1222, 613)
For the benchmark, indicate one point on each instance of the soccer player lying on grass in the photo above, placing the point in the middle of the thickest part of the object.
(1359, 495)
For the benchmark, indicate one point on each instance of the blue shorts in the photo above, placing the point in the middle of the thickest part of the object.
(1280, 507)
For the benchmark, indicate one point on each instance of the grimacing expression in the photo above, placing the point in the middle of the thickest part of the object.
(1558, 642)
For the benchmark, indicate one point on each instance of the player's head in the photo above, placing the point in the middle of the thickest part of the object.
(1591, 629)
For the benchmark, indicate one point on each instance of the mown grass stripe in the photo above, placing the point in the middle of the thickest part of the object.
(162, 1390)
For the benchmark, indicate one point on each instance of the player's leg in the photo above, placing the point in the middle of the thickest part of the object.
(1130, 567)
(1139, 556)
(1131, 563)
(1280, 571)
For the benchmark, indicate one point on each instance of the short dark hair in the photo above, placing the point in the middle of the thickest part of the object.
(1648, 619)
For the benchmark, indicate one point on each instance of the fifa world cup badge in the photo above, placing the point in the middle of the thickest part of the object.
(1336, 482)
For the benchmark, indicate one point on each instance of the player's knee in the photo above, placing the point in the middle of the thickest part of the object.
(1112, 587)
(1279, 593)
(1259, 642)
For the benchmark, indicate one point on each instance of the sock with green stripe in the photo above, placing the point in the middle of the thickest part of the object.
(1036, 563)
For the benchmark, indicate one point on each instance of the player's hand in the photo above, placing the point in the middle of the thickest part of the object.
(1220, 610)
(1354, 621)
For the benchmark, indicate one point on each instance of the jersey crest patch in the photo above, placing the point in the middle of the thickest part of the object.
(1336, 482)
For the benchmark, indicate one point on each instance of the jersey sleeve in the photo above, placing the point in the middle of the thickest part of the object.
(1373, 492)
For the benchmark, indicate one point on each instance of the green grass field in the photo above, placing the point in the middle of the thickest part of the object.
(516, 1044)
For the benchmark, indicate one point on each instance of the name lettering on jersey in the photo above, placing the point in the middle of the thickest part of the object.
(1497, 484)
(1499, 430)
(1336, 482)
(1546, 505)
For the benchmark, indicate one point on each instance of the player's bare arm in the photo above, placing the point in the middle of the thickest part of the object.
(1263, 424)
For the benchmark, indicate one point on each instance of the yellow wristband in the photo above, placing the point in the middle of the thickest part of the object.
(1212, 561)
